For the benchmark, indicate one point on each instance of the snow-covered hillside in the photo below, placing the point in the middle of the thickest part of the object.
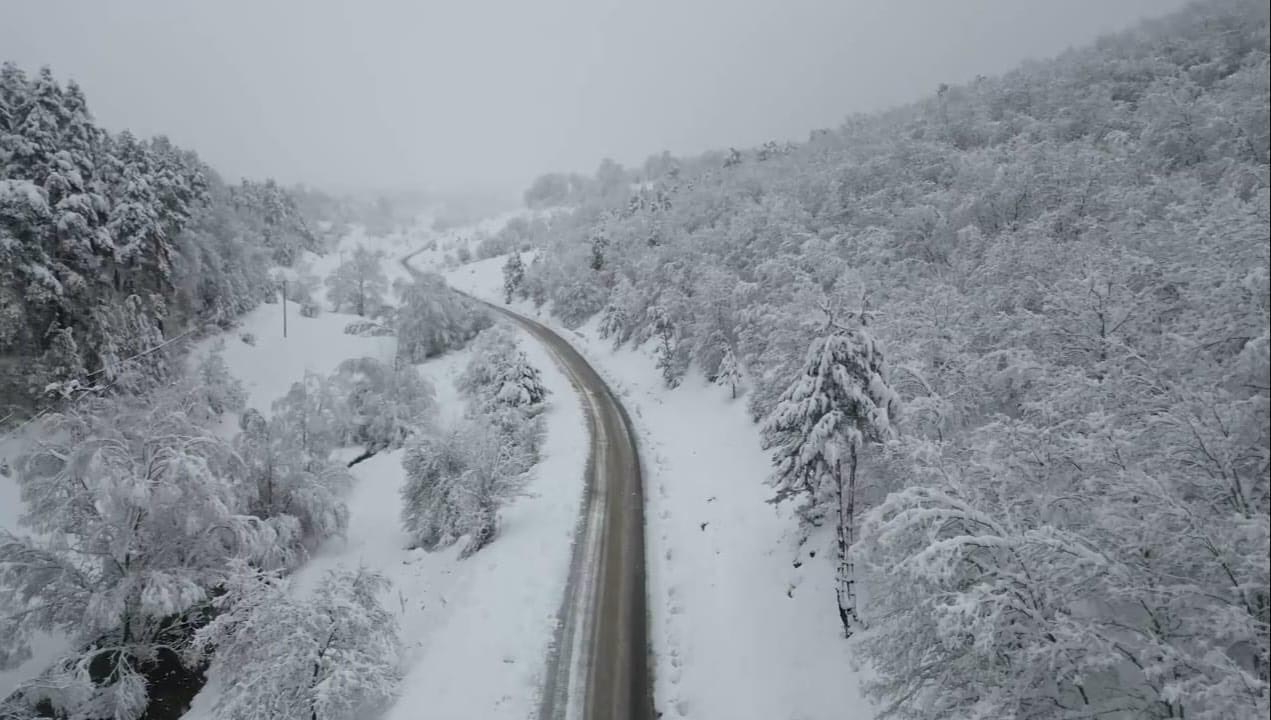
(739, 631)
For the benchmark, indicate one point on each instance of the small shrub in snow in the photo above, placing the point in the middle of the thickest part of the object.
(248, 338)
(367, 328)
(310, 309)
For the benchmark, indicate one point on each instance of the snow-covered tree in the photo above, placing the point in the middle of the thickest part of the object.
(432, 319)
(329, 656)
(284, 479)
(500, 375)
(431, 496)
(136, 515)
(359, 282)
(456, 482)
(382, 404)
(728, 374)
(210, 391)
(513, 275)
(311, 412)
(839, 402)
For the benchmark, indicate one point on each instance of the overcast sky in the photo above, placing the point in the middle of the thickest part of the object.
(376, 93)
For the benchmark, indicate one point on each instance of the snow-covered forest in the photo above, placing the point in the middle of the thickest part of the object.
(960, 409)
(1030, 314)
(112, 246)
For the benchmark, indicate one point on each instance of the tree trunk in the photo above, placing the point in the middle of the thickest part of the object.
(845, 577)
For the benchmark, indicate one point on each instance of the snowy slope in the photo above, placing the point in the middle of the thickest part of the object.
(738, 631)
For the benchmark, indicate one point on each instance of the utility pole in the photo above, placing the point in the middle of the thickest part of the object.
(284, 307)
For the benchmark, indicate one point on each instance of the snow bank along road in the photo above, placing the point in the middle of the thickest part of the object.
(598, 667)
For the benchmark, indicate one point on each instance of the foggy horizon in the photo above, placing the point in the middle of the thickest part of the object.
(394, 96)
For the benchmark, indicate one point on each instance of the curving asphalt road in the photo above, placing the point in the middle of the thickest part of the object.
(597, 668)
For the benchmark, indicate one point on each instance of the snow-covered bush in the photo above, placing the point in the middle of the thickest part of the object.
(382, 404)
(456, 482)
(432, 494)
(576, 301)
(329, 656)
(433, 318)
(368, 328)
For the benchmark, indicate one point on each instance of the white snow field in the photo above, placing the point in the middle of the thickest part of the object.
(738, 632)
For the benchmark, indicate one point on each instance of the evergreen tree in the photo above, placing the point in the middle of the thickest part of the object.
(513, 275)
(839, 402)
(729, 375)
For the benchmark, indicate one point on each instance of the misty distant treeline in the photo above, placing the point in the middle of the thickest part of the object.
(112, 245)
(1061, 274)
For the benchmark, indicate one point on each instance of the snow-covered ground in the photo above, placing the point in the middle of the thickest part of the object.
(738, 631)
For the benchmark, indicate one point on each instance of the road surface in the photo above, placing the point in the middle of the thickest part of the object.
(597, 668)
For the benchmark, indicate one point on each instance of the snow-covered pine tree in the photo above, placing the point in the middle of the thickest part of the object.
(839, 402)
(513, 274)
(667, 351)
(500, 375)
(331, 656)
(728, 374)
(63, 367)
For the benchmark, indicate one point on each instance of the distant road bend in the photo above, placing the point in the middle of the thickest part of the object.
(597, 668)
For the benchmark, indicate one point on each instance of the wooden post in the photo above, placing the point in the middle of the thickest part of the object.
(284, 307)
